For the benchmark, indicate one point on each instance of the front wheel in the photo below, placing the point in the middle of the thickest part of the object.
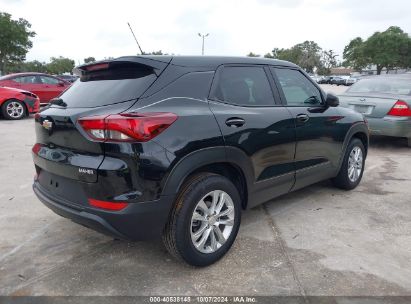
(204, 221)
(13, 109)
(352, 168)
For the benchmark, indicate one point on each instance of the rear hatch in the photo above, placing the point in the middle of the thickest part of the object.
(63, 153)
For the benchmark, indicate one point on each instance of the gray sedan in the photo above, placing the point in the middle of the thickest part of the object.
(385, 101)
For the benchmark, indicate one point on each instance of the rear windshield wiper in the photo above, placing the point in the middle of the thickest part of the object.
(58, 102)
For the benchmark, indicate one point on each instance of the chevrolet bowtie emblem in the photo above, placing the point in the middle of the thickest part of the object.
(47, 124)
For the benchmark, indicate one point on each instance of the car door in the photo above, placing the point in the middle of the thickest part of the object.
(319, 136)
(52, 87)
(253, 121)
(31, 83)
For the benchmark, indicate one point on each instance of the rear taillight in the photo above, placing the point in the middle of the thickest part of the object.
(127, 127)
(114, 206)
(400, 108)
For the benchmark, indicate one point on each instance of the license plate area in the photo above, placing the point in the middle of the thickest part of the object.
(363, 109)
(65, 188)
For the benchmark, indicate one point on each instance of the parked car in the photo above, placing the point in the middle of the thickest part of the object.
(16, 104)
(69, 78)
(385, 101)
(316, 78)
(325, 80)
(337, 80)
(179, 146)
(350, 81)
(46, 87)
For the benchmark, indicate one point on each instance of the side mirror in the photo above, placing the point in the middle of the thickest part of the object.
(331, 100)
(61, 84)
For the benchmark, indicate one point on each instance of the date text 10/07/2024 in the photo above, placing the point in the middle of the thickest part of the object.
(203, 299)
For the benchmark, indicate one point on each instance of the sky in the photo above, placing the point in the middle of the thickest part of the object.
(81, 28)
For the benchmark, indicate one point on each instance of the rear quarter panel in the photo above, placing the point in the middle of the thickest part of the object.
(351, 123)
(194, 131)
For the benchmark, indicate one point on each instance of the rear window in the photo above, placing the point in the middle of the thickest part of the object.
(382, 85)
(122, 82)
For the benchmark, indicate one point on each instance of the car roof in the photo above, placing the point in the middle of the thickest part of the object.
(207, 61)
(25, 74)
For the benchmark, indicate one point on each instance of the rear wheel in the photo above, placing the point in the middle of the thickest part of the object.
(13, 109)
(409, 142)
(205, 220)
(352, 168)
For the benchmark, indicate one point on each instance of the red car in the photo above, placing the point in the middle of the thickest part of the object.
(46, 87)
(16, 104)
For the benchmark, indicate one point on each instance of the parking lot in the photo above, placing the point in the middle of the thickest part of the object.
(316, 241)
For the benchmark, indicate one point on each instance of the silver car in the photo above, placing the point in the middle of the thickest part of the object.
(385, 101)
(350, 81)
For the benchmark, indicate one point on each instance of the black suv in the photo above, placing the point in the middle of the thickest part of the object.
(147, 146)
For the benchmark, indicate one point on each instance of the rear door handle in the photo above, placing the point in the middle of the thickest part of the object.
(302, 118)
(235, 122)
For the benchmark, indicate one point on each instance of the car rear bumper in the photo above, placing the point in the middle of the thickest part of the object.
(390, 126)
(138, 221)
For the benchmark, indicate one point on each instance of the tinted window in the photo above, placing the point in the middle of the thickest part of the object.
(297, 89)
(245, 86)
(103, 87)
(49, 80)
(26, 79)
(382, 85)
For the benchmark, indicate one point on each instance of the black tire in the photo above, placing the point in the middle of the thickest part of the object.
(409, 142)
(177, 233)
(5, 113)
(342, 180)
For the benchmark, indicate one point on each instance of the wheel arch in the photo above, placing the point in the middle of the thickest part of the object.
(360, 131)
(213, 160)
(364, 139)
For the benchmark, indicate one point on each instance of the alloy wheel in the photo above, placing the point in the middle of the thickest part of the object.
(355, 163)
(15, 109)
(212, 221)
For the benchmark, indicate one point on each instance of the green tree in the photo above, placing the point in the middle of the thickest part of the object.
(160, 52)
(293, 54)
(309, 55)
(328, 61)
(389, 49)
(306, 54)
(269, 55)
(14, 40)
(251, 54)
(60, 65)
(354, 54)
(28, 66)
(89, 59)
